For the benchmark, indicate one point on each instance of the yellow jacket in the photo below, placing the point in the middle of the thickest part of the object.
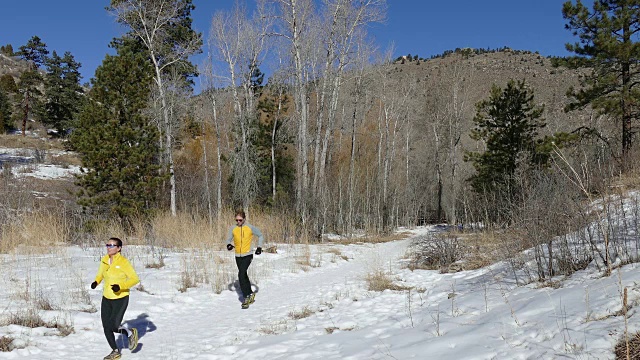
(118, 272)
(242, 236)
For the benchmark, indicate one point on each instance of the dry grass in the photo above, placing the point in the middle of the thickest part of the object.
(157, 263)
(6, 343)
(186, 231)
(337, 254)
(378, 280)
(34, 233)
(332, 329)
(305, 312)
(65, 159)
(483, 249)
(634, 348)
(276, 328)
(42, 303)
(15, 141)
(304, 260)
(372, 239)
(29, 318)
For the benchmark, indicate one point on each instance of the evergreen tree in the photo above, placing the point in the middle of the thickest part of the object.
(508, 124)
(35, 53)
(10, 90)
(608, 41)
(7, 50)
(5, 112)
(8, 84)
(117, 143)
(63, 91)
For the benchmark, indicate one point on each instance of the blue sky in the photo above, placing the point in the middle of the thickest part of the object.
(422, 27)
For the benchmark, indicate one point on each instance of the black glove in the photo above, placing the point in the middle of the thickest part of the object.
(115, 288)
(229, 247)
(94, 284)
(258, 250)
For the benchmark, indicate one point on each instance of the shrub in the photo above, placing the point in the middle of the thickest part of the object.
(6, 343)
(438, 251)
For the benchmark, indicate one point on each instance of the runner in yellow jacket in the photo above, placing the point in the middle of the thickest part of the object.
(240, 237)
(118, 276)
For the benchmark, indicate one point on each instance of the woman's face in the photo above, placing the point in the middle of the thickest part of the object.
(239, 220)
(112, 247)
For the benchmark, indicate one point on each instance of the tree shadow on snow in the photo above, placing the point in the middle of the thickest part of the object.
(143, 324)
(235, 286)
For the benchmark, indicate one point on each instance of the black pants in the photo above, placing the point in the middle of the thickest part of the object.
(112, 313)
(243, 263)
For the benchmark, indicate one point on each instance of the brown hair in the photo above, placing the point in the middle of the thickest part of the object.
(241, 213)
(118, 242)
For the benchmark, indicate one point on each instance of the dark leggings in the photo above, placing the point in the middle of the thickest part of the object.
(243, 263)
(112, 313)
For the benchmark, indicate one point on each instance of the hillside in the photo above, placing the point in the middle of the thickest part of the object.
(475, 74)
(12, 66)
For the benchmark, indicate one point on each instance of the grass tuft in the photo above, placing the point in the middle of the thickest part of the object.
(380, 281)
(6, 343)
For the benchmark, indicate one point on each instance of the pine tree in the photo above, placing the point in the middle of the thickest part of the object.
(608, 42)
(5, 112)
(6, 50)
(10, 90)
(8, 84)
(117, 142)
(35, 53)
(508, 124)
(62, 90)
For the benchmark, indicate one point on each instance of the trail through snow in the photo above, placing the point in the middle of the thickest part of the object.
(200, 324)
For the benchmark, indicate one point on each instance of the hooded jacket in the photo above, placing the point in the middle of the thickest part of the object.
(241, 236)
(118, 272)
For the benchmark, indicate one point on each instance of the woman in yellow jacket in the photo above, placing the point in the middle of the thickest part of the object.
(119, 276)
(241, 235)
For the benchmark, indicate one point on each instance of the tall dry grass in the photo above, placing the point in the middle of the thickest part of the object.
(35, 232)
(41, 229)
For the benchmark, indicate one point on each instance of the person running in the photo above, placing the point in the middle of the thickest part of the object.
(119, 276)
(242, 234)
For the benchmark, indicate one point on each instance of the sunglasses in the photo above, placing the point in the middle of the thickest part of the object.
(110, 245)
(239, 219)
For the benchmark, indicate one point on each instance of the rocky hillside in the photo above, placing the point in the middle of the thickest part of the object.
(473, 75)
(12, 66)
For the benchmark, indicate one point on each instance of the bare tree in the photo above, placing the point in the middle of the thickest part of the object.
(240, 43)
(294, 18)
(345, 22)
(392, 115)
(211, 95)
(154, 23)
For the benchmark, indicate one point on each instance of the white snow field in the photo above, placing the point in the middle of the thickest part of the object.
(313, 303)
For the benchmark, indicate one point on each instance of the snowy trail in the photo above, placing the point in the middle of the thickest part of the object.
(220, 329)
(313, 303)
(200, 324)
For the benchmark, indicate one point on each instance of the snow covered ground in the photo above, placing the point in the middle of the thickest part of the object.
(23, 164)
(313, 303)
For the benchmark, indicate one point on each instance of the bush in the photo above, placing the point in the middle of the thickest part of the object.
(634, 347)
(438, 251)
